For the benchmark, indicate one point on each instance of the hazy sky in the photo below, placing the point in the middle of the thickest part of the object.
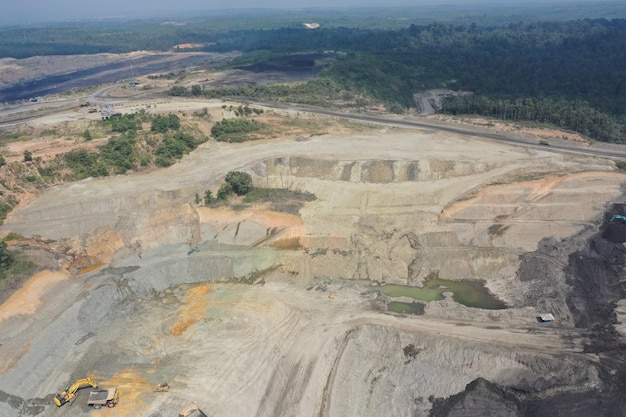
(96, 8)
(19, 11)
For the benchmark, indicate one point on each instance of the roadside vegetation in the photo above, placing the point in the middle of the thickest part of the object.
(133, 148)
(235, 130)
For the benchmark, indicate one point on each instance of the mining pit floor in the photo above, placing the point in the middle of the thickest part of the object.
(263, 313)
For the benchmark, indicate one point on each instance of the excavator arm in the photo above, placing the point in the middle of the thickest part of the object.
(618, 217)
(70, 392)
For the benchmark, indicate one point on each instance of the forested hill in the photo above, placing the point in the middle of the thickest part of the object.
(576, 68)
(579, 59)
(569, 73)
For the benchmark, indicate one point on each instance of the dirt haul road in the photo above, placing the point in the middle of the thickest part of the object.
(258, 313)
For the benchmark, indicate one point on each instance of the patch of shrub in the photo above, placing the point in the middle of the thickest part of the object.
(240, 182)
(123, 123)
(173, 147)
(5, 208)
(85, 164)
(161, 124)
(119, 153)
(235, 130)
(225, 191)
(6, 259)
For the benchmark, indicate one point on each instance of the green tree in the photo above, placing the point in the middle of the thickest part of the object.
(240, 182)
(3, 161)
(178, 90)
(119, 152)
(225, 191)
(173, 122)
(235, 130)
(87, 134)
(197, 199)
(196, 90)
(6, 259)
(5, 208)
(162, 124)
(208, 197)
(28, 156)
(125, 123)
(85, 164)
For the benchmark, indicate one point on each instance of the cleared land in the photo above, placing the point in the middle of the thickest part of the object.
(259, 313)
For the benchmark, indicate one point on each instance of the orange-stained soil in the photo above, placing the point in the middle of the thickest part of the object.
(27, 299)
(537, 189)
(196, 302)
(134, 391)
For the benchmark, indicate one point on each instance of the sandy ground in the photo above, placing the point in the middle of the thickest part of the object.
(237, 318)
(540, 133)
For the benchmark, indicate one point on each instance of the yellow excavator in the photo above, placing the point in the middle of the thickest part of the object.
(70, 392)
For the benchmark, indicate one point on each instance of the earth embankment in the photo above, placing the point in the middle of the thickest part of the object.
(254, 312)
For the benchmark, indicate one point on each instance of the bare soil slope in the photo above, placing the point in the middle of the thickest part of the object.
(256, 313)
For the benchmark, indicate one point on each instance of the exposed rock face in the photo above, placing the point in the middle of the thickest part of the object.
(595, 282)
(480, 398)
(154, 284)
(372, 171)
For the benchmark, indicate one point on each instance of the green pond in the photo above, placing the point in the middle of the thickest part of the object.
(469, 292)
(410, 308)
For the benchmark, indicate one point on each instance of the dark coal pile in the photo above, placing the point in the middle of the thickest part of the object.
(289, 63)
(596, 278)
(56, 84)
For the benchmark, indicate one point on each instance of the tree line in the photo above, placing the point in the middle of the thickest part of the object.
(575, 115)
(567, 61)
(573, 70)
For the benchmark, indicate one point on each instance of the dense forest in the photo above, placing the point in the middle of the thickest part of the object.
(570, 73)
(579, 59)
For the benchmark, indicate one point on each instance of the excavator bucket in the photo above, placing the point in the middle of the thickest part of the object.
(59, 400)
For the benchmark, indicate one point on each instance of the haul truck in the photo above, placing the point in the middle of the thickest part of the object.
(99, 398)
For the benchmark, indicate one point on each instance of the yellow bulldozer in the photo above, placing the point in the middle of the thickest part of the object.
(70, 392)
(164, 387)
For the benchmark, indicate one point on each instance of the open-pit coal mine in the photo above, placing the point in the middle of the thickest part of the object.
(432, 274)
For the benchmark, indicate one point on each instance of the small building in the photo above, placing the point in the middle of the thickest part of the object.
(545, 318)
